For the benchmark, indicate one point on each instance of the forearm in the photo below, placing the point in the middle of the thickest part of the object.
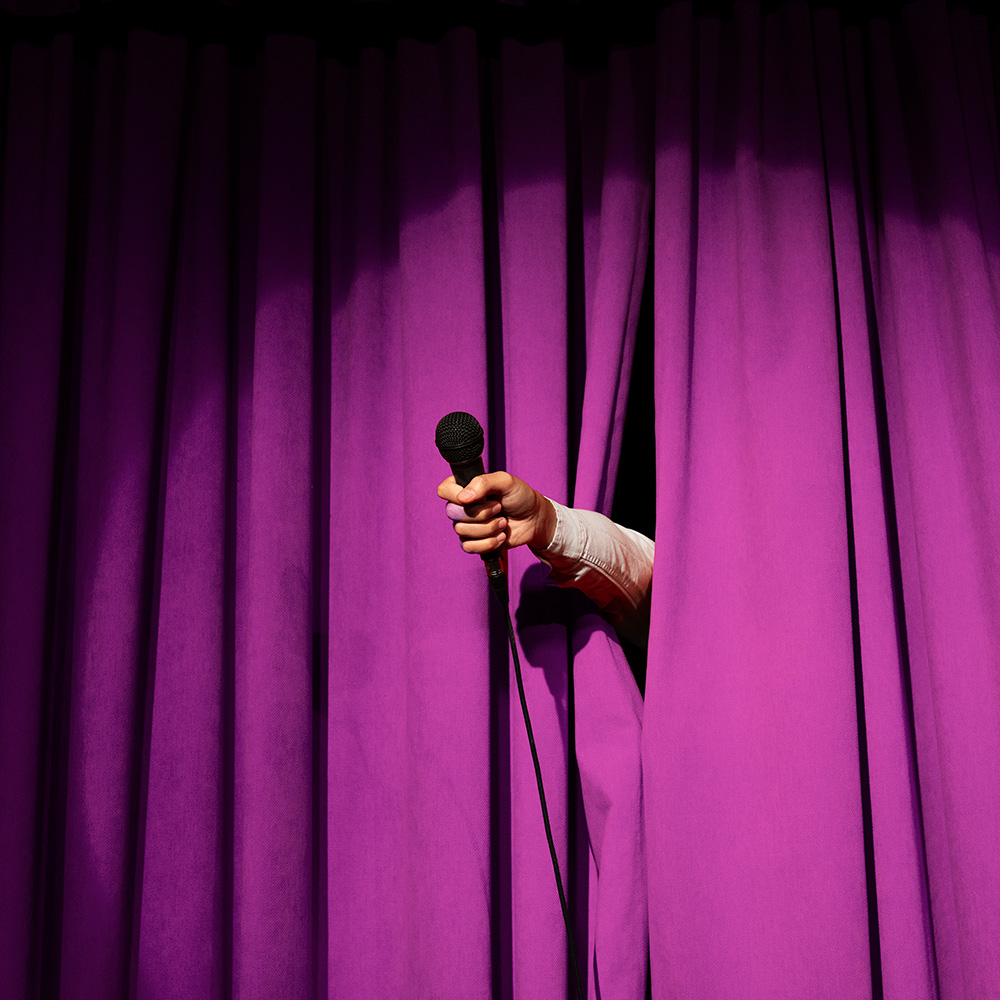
(612, 565)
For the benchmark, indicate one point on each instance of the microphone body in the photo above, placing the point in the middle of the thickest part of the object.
(459, 438)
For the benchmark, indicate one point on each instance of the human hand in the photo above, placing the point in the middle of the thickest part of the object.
(498, 509)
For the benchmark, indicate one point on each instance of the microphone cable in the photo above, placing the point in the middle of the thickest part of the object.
(505, 604)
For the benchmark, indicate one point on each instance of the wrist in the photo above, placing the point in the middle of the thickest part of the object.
(545, 524)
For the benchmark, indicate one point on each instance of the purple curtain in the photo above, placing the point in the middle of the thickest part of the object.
(821, 744)
(257, 731)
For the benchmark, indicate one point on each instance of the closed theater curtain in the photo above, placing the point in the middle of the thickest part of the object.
(259, 731)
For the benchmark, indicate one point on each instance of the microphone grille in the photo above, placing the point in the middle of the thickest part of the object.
(459, 438)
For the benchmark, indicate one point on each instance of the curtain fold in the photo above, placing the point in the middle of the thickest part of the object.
(189, 787)
(905, 162)
(532, 215)
(33, 253)
(754, 842)
(606, 701)
(934, 279)
(411, 876)
(274, 940)
(257, 733)
(904, 934)
(116, 499)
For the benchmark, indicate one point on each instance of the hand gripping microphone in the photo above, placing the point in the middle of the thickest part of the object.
(459, 438)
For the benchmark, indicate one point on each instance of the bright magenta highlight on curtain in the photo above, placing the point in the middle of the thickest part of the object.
(256, 729)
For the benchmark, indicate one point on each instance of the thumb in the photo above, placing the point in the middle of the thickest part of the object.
(473, 491)
(489, 484)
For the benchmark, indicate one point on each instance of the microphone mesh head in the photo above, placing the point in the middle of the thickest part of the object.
(459, 438)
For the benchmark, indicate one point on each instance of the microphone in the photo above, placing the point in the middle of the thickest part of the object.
(459, 438)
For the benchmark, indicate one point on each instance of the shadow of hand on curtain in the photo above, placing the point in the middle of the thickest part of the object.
(541, 606)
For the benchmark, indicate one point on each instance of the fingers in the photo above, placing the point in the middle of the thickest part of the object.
(449, 489)
(475, 512)
(482, 537)
(454, 511)
(473, 493)
(475, 509)
(481, 500)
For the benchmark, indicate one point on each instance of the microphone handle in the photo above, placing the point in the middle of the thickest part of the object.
(493, 561)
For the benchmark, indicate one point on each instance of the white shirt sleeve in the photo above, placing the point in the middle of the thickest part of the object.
(612, 565)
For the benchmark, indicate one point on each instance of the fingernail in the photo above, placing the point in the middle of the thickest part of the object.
(466, 495)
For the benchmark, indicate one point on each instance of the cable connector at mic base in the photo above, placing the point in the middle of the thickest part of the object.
(498, 584)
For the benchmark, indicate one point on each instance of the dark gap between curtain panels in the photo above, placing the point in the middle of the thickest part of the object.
(578, 854)
(46, 958)
(501, 913)
(864, 775)
(888, 488)
(634, 500)
(227, 756)
(576, 303)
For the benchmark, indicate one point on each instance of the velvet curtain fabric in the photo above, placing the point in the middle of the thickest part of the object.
(827, 400)
(256, 728)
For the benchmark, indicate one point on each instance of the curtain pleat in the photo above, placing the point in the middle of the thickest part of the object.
(116, 502)
(750, 747)
(904, 933)
(532, 219)
(33, 253)
(182, 951)
(274, 939)
(935, 291)
(616, 182)
(410, 680)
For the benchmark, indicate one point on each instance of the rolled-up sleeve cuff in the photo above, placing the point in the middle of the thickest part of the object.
(611, 564)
